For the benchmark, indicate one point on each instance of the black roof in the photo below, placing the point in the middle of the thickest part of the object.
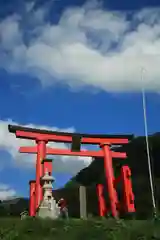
(14, 128)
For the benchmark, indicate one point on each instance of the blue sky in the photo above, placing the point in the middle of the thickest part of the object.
(53, 100)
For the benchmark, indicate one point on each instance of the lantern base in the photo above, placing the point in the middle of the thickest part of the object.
(48, 209)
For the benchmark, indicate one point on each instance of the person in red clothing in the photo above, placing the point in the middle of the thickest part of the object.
(63, 208)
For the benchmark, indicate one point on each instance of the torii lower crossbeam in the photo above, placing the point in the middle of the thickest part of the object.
(67, 152)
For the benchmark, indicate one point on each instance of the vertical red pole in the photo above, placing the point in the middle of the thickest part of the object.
(41, 154)
(127, 190)
(110, 179)
(102, 205)
(32, 209)
(47, 166)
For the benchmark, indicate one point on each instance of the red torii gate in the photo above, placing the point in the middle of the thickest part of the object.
(42, 137)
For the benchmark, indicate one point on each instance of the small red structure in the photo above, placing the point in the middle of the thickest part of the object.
(126, 205)
(32, 208)
(47, 165)
(42, 137)
(62, 203)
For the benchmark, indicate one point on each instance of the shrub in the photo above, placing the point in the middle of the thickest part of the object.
(75, 229)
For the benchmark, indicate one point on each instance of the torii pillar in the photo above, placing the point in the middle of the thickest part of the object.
(109, 174)
(41, 154)
(47, 166)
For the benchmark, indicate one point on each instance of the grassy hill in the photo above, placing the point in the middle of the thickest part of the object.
(16, 229)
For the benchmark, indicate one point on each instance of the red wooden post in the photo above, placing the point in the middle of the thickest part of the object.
(108, 168)
(32, 210)
(127, 190)
(47, 166)
(41, 154)
(101, 200)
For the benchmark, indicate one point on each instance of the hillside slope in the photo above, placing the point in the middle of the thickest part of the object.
(137, 160)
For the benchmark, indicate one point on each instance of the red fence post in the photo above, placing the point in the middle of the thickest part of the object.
(127, 190)
(101, 200)
(32, 210)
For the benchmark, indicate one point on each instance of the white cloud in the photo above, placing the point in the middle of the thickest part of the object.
(11, 144)
(6, 192)
(89, 46)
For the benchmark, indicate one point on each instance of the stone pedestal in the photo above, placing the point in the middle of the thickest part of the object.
(83, 203)
(48, 209)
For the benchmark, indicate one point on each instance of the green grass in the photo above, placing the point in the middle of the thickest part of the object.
(11, 229)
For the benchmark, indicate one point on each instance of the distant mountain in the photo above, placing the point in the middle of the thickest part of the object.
(13, 207)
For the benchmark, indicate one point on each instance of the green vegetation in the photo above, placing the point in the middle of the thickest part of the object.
(13, 228)
(16, 229)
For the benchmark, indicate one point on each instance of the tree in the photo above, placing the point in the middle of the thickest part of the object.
(71, 184)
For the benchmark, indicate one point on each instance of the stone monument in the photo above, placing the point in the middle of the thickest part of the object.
(48, 207)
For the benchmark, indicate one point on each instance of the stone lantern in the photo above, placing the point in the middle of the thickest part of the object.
(48, 207)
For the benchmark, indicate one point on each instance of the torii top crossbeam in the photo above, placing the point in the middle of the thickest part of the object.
(46, 135)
